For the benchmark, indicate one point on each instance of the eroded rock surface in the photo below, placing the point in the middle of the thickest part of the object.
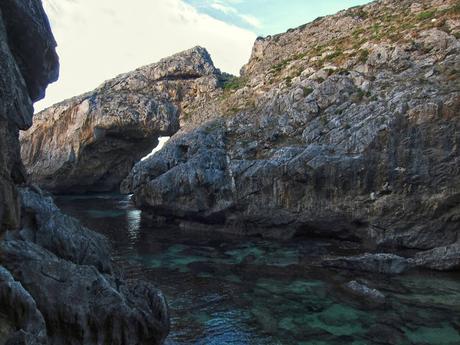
(446, 258)
(347, 127)
(21, 310)
(58, 285)
(45, 225)
(91, 142)
(28, 63)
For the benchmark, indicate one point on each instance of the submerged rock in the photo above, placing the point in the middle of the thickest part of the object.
(91, 142)
(374, 263)
(364, 291)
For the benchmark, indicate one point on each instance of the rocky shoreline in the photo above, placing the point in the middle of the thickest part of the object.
(329, 134)
(346, 128)
(63, 273)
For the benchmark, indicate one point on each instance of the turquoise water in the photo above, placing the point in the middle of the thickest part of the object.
(226, 290)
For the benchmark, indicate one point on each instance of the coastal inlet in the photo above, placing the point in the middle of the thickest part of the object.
(224, 290)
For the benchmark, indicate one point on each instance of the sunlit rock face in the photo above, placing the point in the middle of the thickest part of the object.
(91, 142)
(347, 127)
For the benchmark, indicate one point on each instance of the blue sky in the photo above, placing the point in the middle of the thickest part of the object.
(268, 17)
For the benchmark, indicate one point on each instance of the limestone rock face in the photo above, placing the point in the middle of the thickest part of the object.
(58, 286)
(194, 177)
(92, 308)
(91, 142)
(347, 127)
(20, 309)
(28, 63)
(45, 225)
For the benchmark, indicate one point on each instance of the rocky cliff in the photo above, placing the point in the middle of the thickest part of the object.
(347, 127)
(91, 142)
(28, 62)
(57, 282)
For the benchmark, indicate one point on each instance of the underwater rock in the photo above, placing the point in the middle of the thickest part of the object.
(374, 263)
(363, 290)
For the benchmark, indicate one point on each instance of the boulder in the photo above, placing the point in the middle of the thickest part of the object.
(21, 310)
(58, 286)
(364, 291)
(45, 225)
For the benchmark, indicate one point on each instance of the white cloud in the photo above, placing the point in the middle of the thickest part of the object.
(223, 8)
(251, 20)
(100, 39)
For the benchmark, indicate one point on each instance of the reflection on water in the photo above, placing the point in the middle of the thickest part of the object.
(133, 218)
(255, 291)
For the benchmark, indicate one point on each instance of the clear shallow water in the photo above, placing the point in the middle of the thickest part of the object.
(255, 291)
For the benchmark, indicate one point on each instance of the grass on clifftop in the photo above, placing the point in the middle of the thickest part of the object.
(381, 26)
(234, 83)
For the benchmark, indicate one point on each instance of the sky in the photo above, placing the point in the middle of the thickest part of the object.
(99, 39)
